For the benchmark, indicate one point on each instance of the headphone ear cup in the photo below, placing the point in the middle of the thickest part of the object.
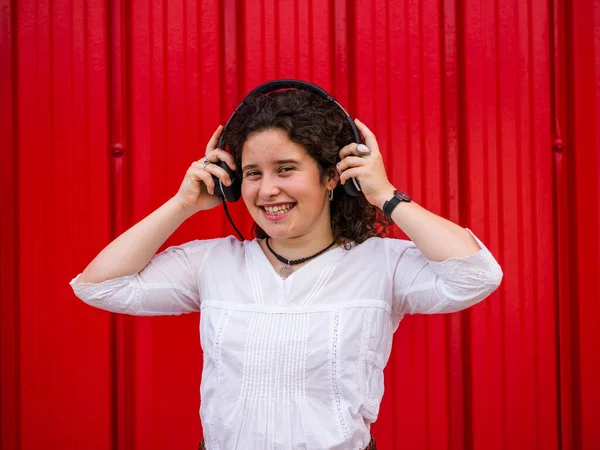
(231, 193)
(352, 187)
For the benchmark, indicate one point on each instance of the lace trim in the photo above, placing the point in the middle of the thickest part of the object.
(334, 374)
(364, 345)
(217, 346)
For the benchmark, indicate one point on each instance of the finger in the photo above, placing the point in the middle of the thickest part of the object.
(214, 140)
(370, 138)
(365, 130)
(355, 149)
(218, 172)
(350, 173)
(349, 162)
(213, 169)
(202, 176)
(217, 155)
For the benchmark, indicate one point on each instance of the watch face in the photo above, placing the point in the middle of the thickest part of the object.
(404, 196)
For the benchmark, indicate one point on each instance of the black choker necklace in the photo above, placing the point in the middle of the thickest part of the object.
(287, 270)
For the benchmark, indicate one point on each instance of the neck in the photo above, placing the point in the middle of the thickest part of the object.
(301, 246)
(319, 237)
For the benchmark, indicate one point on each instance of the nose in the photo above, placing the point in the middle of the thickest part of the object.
(269, 187)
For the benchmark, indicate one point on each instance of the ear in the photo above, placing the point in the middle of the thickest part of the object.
(332, 178)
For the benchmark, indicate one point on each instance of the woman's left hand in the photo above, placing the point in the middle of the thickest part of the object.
(367, 168)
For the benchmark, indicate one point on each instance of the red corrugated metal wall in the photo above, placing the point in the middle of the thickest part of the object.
(488, 112)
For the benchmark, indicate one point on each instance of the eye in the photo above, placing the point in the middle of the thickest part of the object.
(286, 169)
(252, 174)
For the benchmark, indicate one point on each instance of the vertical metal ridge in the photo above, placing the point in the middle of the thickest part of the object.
(340, 63)
(570, 252)
(444, 188)
(389, 122)
(121, 344)
(562, 387)
(554, 94)
(519, 332)
(10, 322)
(500, 209)
(240, 47)
(462, 206)
(127, 98)
(263, 56)
(241, 68)
(277, 39)
(165, 87)
(389, 156)
(17, 294)
(373, 78)
(409, 178)
(16, 142)
(310, 43)
(351, 55)
(449, 121)
(519, 107)
(422, 151)
(222, 69)
(501, 236)
(113, 326)
(71, 55)
(184, 33)
(297, 40)
(200, 72)
(86, 97)
(531, 345)
(332, 48)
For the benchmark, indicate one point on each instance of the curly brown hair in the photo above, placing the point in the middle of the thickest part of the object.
(321, 128)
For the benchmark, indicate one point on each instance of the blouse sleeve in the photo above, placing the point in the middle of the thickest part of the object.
(168, 285)
(422, 286)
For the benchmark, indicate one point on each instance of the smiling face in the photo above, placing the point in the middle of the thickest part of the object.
(283, 188)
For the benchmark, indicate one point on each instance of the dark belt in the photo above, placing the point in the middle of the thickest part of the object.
(371, 445)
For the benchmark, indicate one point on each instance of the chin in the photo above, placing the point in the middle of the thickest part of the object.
(278, 232)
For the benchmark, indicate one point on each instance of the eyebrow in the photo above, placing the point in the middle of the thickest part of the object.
(278, 162)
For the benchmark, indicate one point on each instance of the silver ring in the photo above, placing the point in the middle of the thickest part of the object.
(205, 163)
(363, 150)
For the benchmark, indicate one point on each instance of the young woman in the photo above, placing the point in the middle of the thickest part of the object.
(296, 325)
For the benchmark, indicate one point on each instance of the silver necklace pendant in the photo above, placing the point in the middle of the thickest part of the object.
(286, 271)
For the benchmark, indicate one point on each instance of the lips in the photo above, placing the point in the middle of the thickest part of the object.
(277, 212)
(278, 209)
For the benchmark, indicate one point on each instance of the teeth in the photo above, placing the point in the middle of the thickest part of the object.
(277, 210)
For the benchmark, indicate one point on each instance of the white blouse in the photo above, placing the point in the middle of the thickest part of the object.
(295, 363)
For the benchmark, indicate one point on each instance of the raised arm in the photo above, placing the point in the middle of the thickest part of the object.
(444, 268)
(129, 253)
(129, 277)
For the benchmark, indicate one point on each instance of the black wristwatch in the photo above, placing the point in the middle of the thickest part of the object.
(398, 197)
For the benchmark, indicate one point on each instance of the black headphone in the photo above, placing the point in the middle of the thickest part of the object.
(233, 192)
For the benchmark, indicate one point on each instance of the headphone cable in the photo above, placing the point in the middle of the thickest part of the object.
(231, 220)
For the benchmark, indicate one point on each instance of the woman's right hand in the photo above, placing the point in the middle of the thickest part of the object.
(196, 192)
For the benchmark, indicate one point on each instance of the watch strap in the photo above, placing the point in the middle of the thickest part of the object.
(390, 205)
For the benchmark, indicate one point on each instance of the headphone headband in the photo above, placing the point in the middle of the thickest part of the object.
(277, 85)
